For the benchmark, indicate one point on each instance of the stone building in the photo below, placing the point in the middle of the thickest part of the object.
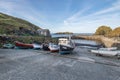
(44, 32)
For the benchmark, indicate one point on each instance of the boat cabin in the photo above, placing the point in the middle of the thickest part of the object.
(64, 41)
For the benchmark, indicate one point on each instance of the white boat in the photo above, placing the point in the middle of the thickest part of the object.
(37, 46)
(109, 49)
(106, 52)
(53, 47)
(66, 45)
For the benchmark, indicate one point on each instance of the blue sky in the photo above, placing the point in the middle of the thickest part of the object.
(79, 16)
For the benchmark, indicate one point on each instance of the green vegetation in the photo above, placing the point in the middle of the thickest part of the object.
(64, 33)
(108, 32)
(115, 32)
(25, 39)
(14, 29)
(15, 26)
(103, 30)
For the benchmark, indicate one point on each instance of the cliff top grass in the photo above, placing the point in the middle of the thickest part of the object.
(11, 25)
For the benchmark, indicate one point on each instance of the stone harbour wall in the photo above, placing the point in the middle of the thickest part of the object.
(107, 42)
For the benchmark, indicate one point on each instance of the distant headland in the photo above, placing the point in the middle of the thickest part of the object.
(64, 33)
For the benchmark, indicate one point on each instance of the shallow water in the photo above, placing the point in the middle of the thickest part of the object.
(91, 42)
(80, 41)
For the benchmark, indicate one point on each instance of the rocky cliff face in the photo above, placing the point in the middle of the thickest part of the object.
(44, 32)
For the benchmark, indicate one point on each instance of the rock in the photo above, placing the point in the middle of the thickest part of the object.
(44, 32)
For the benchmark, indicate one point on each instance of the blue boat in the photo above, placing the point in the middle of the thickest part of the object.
(8, 46)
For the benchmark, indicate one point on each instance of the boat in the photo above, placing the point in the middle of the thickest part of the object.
(37, 46)
(66, 45)
(109, 49)
(8, 46)
(53, 47)
(45, 46)
(106, 52)
(23, 45)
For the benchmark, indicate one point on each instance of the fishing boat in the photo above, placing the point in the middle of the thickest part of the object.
(8, 46)
(23, 45)
(53, 47)
(66, 45)
(106, 52)
(109, 49)
(37, 46)
(45, 46)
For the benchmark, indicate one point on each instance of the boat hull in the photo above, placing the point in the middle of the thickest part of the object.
(105, 53)
(53, 47)
(8, 46)
(23, 46)
(37, 46)
(57, 50)
(45, 47)
(65, 49)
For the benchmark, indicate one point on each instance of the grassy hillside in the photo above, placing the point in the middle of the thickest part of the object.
(15, 26)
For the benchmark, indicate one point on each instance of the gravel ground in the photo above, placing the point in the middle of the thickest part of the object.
(43, 65)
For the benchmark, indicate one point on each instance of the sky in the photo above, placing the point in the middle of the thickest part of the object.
(78, 16)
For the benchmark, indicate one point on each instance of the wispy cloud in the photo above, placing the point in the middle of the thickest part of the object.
(7, 6)
(76, 16)
(81, 21)
(115, 7)
(108, 16)
(22, 9)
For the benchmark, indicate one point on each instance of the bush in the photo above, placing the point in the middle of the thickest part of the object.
(115, 32)
(103, 30)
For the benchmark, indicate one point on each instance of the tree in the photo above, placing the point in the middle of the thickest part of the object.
(116, 32)
(103, 30)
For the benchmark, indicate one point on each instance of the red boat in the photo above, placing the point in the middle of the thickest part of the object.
(23, 45)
